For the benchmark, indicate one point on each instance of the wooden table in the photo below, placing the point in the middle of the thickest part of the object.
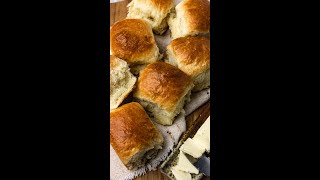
(118, 11)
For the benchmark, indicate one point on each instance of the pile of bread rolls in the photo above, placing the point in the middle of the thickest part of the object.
(161, 83)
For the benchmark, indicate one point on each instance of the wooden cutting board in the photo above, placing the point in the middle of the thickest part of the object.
(118, 11)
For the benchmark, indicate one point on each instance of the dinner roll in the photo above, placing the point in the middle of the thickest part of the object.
(133, 135)
(190, 17)
(121, 81)
(163, 89)
(192, 56)
(154, 12)
(133, 41)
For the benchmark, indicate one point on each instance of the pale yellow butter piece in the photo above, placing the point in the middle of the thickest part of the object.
(185, 165)
(192, 148)
(180, 175)
(202, 137)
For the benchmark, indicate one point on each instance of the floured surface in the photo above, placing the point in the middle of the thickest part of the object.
(171, 136)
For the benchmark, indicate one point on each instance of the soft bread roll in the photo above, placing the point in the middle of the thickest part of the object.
(133, 41)
(121, 81)
(133, 135)
(192, 56)
(155, 12)
(190, 17)
(163, 89)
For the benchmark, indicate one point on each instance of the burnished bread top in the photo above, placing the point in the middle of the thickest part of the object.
(191, 54)
(132, 131)
(133, 41)
(163, 84)
(190, 17)
(197, 14)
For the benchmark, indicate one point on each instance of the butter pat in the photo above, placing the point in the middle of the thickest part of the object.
(192, 148)
(180, 175)
(204, 129)
(202, 137)
(203, 141)
(185, 165)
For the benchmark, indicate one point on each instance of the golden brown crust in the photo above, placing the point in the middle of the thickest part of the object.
(162, 84)
(132, 40)
(113, 61)
(192, 54)
(131, 131)
(197, 14)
